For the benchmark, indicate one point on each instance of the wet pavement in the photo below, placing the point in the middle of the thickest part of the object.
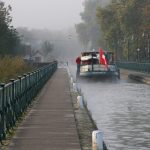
(121, 108)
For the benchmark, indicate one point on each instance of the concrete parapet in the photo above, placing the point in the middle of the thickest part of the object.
(137, 76)
(140, 78)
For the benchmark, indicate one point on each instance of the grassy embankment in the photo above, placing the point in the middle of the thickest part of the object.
(11, 67)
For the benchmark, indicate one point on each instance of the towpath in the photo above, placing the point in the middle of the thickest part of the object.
(50, 124)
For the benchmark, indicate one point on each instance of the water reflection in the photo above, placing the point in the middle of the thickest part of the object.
(121, 109)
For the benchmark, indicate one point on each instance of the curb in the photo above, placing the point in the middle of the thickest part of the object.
(139, 78)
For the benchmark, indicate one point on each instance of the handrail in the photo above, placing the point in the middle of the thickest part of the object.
(17, 95)
(141, 67)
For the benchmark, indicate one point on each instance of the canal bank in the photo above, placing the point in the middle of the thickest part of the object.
(137, 76)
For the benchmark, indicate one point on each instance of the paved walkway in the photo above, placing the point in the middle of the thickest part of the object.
(50, 125)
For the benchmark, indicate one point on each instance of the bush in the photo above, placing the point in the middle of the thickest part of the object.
(11, 67)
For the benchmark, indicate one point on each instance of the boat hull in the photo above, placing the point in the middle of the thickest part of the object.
(96, 70)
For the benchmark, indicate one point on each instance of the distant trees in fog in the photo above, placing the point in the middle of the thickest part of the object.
(47, 47)
(122, 26)
(23, 41)
(88, 30)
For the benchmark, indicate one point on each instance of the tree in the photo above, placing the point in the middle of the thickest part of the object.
(122, 23)
(9, 38)
(47, 47)
(82, 33)
(88, 30)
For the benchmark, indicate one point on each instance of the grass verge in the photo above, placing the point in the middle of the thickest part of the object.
(11, 67)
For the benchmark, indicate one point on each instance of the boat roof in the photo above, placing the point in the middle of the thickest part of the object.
(88, 53)
(93, 52)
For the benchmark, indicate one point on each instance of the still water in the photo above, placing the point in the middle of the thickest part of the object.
(121, 109)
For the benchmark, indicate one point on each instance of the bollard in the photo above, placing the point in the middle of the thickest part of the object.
(68, 71)
(78, 88)
(75, 87)
(80, 101)
(97, 140)
(71, 80)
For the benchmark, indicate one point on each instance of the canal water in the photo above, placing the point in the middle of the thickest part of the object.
(120, 108)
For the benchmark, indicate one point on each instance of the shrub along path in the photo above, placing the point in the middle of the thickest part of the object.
(50, 124)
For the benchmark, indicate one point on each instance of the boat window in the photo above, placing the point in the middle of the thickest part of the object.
(90, 62)
(95, 61)
(86, 62)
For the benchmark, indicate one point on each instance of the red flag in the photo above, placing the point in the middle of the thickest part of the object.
(103, 60)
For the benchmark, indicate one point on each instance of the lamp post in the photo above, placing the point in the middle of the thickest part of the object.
(148, 49)
(128, 51)
(148, 44)
(138, 54)
(128, 41)
(115, 45)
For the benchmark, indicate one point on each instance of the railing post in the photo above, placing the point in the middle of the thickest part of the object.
(38, 79)
(20, 93)
(13, 100)
(3, 136)
(35, 75)
(30, 94)
(29, 77)
(25, 76)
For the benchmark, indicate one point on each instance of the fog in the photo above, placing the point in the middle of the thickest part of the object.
(50, 14)
(49, 20)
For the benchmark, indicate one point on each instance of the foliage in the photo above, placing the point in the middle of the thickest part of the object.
(9, 38)
(11, 67)
(82, 32)
(88, 31)
(37, 40)
(47, 47)
(123, 22)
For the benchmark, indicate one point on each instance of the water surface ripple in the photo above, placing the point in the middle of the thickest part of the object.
(121, 109)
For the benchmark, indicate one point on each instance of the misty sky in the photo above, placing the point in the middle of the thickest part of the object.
(50, 14)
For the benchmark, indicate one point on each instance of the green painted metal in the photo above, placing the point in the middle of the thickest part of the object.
(141, 67)
(16, 96)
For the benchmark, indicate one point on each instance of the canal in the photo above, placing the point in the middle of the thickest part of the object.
(120, 108)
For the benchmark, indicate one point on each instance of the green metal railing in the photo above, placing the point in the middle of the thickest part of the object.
(17, 95)
(141, 67)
